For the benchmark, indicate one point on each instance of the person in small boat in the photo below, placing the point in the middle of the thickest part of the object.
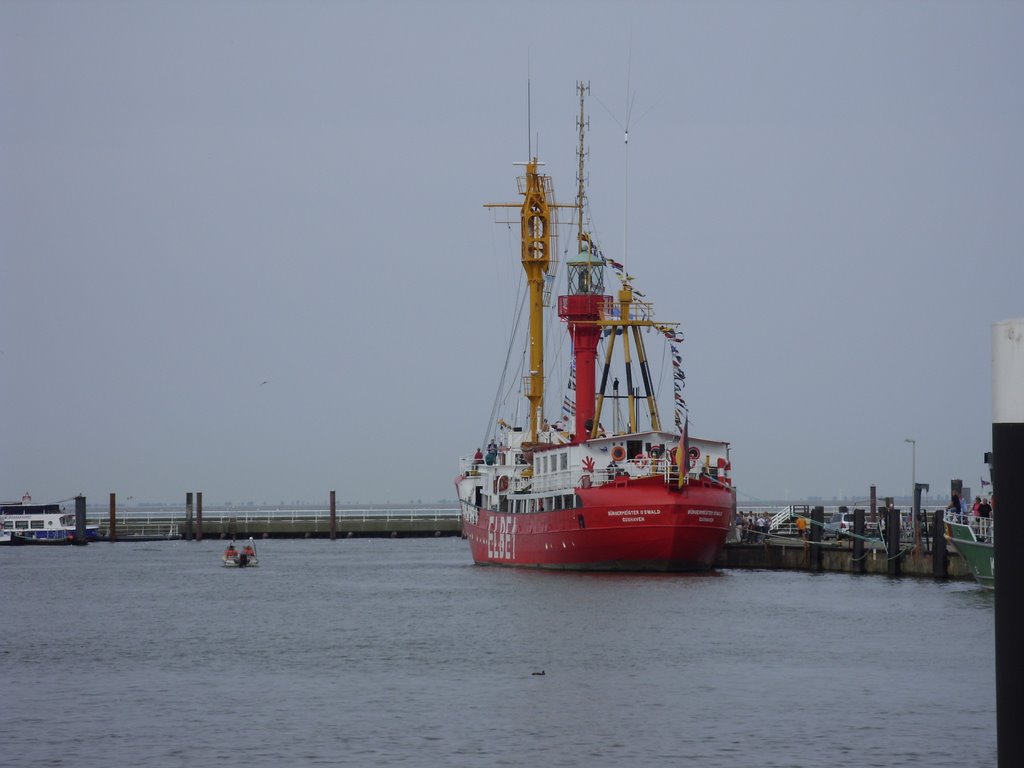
(248, 551)
(231, 552)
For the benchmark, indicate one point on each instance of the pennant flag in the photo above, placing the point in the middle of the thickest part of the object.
(683, 452)
(984, 482)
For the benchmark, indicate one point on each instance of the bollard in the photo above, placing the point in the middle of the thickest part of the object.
(817, 526)
(334, 519)
(858, 564)
(80, 520)
(188, 516)
(199, 515)
(112, 523)
(1007, 460)
(940, 559)
(892, 537)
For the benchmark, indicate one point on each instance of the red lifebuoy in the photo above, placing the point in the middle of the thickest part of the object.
(618, 453)
(641, 460)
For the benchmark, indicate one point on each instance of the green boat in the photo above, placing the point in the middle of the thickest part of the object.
(973, 538)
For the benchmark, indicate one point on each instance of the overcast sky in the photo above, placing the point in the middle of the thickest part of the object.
(198, 197)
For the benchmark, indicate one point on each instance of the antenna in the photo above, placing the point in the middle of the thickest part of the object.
(529, 105)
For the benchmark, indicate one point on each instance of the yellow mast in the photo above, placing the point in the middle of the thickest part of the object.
(536, 228)
(535, 221)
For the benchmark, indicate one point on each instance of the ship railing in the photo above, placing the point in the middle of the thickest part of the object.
(982, 527)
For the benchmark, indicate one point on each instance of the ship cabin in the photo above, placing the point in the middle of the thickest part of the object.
(546, 475)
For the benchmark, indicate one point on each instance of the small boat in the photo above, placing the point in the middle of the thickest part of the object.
(974, 538)
(27, 523)
(244, 558)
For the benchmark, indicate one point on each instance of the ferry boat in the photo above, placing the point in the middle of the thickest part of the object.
(27, 523)
(974, 539)
(574, 496)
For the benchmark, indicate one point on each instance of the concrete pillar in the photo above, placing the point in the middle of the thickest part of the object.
(188, 516)
(199, 515)
(112, 521)
(334, 519)
(1008, 495)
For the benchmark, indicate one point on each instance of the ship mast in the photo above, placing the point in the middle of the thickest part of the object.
(536, 231)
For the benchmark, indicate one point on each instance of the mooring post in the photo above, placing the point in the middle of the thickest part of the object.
(188, 516)
(858, 541)
(940, 559)
(1008, 484)
(80, 520)
(334, 519)
(874, 510)
(112, 520)
(817, 525)
(892, 536)
(199, 515)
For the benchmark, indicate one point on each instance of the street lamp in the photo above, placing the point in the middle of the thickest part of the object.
(913, 491)
(913, 468)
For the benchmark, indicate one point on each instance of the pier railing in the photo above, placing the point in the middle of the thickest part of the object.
(280, 522)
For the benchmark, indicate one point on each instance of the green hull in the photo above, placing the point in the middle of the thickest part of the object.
(980, 555)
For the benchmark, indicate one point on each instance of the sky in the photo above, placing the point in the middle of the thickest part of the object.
(200, 197)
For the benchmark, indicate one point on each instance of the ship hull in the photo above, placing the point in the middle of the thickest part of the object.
(628, 527)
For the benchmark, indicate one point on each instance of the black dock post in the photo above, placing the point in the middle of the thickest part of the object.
(188, 516)
(892, 538)
(334, 519)
(199, 515)
(940, 559)
(874, 511)
(1008, 483)
(112, 520)
(817, 526)
(80, 520)
(858, 541)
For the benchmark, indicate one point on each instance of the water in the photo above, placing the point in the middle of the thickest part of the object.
(377, 652)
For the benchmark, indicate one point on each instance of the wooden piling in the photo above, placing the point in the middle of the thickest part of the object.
(892, 538)
(858, 564)
(874, 509)
(199, 515)
(112, 527)
(817, 526)
(940, 558)
(80, 520)
(188, 516)
(334, 519)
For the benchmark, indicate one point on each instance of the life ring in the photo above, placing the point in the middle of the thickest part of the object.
(503, 483)
(618, 453)
(694, 453)
(642, 461)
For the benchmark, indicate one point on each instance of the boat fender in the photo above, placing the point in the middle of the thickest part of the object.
(618, 453)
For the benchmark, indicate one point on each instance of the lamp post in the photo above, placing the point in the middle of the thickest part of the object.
(913, 491)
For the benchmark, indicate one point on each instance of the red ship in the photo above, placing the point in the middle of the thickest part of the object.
(573, 496)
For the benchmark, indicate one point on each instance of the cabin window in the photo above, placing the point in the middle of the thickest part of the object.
(8, 524)
(565, 461)
(37, 525)
(21, 525)
(567, 502)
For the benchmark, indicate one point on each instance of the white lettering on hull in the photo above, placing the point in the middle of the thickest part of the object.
(501, 537)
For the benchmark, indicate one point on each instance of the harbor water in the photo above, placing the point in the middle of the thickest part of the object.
(392, 652)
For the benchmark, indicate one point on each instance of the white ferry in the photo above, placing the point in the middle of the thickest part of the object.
(28, 523)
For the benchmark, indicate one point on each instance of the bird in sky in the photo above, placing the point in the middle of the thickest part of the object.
(264, 382)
